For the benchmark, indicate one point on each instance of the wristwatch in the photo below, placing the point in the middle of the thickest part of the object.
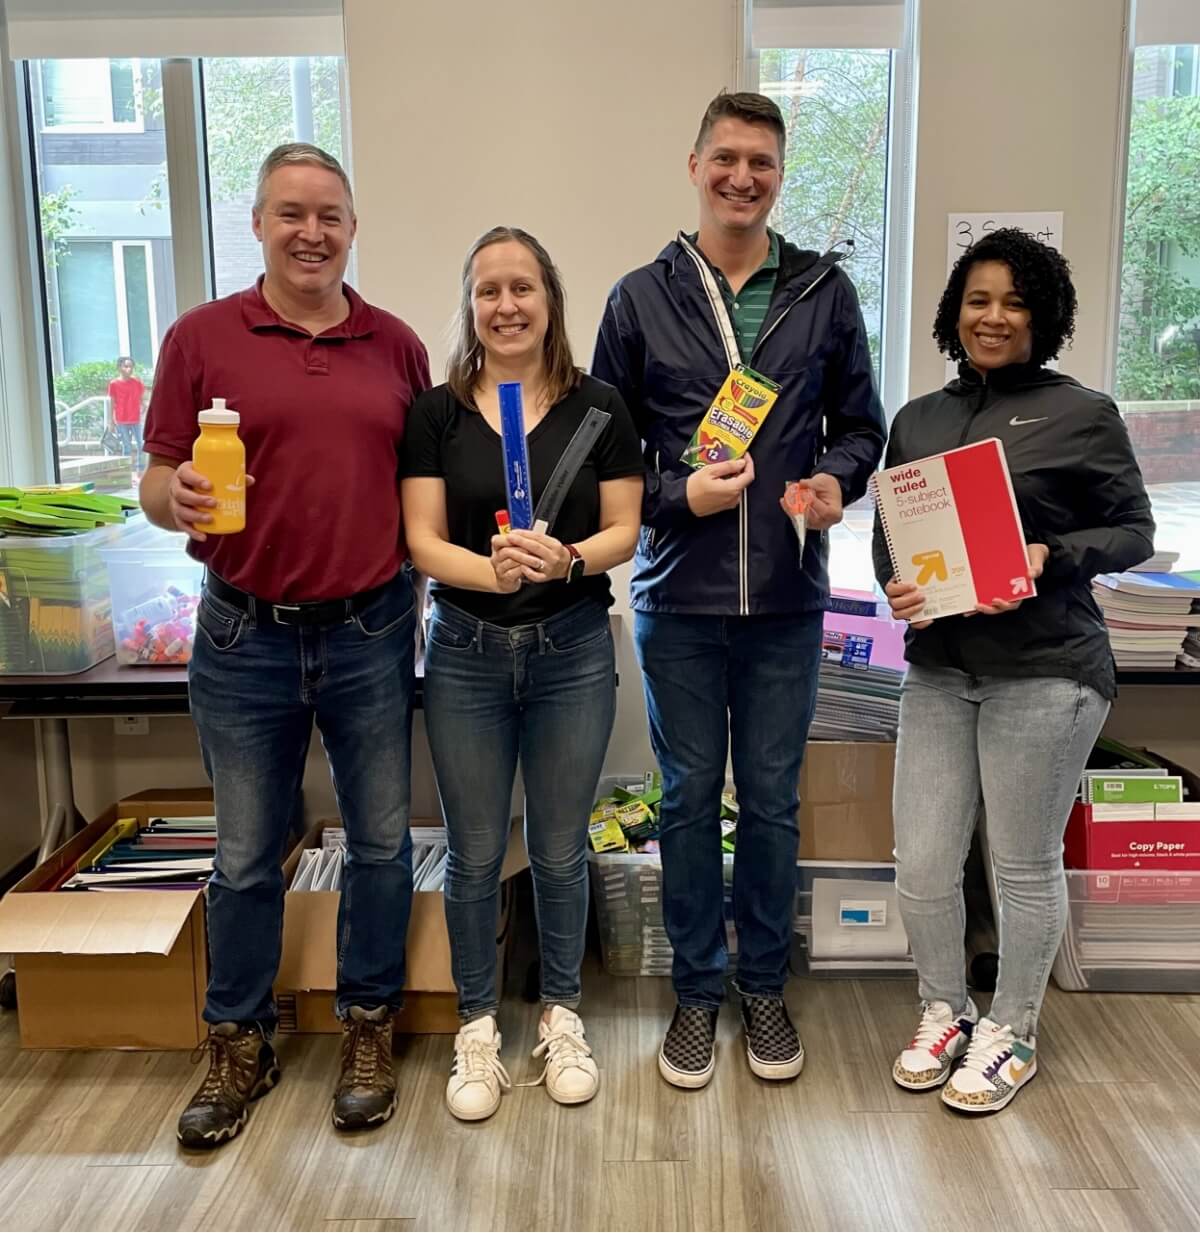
(577, 565)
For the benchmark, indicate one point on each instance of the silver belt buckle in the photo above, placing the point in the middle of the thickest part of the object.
(276, 609)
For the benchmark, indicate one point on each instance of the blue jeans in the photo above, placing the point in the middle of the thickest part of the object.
(545, 693)
(1017, 746)
(715, 684)
(130, 436)
(255, 691)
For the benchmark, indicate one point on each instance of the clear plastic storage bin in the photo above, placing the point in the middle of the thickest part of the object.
(155, 589)
(55, 612)
(1131, 931)
(627, 892)
(865, 937)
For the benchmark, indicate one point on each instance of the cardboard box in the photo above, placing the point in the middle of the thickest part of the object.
(308, 967)
(1150, 844)
(846, 801)
(109, 971)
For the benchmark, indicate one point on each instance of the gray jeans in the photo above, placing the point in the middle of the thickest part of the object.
(1017, 746)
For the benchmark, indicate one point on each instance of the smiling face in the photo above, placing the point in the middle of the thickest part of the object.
(738, 174)
(306, 225)
(994, 326)
(509, 302)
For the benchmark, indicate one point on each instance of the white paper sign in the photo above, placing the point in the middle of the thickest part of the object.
(963, 230)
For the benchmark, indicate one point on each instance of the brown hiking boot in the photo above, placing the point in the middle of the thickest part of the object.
(242, 1066)
(366, 1090)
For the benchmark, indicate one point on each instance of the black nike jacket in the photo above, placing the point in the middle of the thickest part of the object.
(1079, 492)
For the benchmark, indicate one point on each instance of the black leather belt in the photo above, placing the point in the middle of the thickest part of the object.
(320, 612)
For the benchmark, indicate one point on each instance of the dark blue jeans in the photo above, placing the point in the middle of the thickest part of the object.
(715, 684)
(255, 691)
(545, 693)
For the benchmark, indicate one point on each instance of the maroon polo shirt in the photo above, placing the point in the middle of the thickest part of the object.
(322, 423)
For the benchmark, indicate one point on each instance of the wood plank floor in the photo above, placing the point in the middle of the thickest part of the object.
(1107, 1136)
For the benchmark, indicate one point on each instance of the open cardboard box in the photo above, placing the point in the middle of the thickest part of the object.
(101, 971)
(308, 967)
(846, 801)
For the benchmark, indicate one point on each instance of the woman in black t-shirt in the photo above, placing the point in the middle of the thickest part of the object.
(519, 658)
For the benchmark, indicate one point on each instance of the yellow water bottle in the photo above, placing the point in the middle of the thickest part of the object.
(220, 457)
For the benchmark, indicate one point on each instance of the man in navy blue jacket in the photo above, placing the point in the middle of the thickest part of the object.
(728, 603)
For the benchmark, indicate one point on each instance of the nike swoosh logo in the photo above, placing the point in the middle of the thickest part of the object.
(1016, 423)
(1018, 1071)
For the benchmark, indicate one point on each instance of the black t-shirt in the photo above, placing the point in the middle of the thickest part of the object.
(455, 443)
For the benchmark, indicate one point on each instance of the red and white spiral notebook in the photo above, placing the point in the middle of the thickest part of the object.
(952, 527)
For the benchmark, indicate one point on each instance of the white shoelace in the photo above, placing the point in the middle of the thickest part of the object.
(931, 1030)
(565, 1048)
(983, 1051)
(475, 1060)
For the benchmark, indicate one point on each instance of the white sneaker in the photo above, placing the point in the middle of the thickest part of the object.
(942, 1037)
(477, 1079)
(570, 1075)
(997, 1064)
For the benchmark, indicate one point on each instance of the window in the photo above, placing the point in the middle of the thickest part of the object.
(1158, 344)
(836, 104)
(106, 241)
(91, 96)
(251, 106)
(104, 203)
(842, 76)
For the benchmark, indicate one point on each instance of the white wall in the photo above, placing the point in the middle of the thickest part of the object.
(572, 121)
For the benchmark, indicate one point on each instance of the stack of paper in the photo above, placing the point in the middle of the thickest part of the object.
(1162, 562)
(1131, 930)
(858, 686)
(1148, 616)
(168, 854)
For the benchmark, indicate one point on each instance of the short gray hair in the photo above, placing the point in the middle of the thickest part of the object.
(298, 152)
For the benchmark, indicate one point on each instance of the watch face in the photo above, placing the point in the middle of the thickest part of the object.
(577, 568)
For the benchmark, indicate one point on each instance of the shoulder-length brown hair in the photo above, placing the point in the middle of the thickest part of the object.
(467, 354)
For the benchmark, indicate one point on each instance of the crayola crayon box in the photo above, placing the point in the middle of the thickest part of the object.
(730, 423)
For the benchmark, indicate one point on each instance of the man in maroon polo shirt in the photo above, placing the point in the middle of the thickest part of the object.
(306, 615)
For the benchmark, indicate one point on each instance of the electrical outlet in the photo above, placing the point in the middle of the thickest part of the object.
(131, 725)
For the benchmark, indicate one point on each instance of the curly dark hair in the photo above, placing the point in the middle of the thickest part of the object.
(1042, 278)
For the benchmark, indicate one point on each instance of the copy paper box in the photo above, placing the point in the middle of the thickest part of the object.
(97, 971)
(1147, 844)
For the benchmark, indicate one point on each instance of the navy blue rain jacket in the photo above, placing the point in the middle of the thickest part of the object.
(661, 345)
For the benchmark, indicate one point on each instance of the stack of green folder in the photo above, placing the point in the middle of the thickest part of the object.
(55, 611)
(59, 510)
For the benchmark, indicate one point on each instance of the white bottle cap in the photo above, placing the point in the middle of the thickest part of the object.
(218, 413)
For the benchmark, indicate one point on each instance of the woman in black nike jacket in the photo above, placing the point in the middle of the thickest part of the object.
(1001, 707)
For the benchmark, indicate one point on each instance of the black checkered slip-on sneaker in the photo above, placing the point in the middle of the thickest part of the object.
(773, 1046)
(687, 1057)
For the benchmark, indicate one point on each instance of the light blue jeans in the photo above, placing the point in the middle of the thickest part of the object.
(1015, 746)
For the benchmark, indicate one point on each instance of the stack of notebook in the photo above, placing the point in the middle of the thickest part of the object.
(168, 854)
(858, 687)
(1149, 616)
